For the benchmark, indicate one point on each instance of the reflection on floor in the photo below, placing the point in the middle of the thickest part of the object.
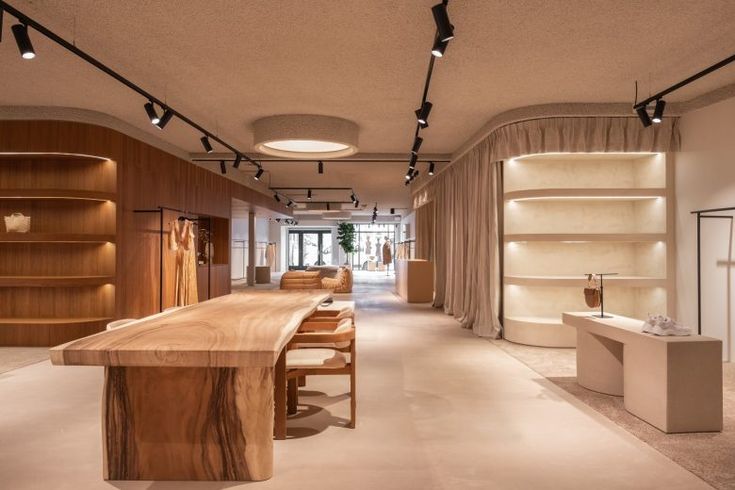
(437, 409)
(709, 455)
(17, 357)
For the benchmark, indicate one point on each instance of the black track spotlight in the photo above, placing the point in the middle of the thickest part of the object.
(1, 24)
(643, 116)
(422, 114)
(431, 168)
(357, 204)
(320, 167)
(308, 194)
(412, 161)
(439, 47)
(238, 161)
(150, 109)
(275, 196)
(20, 31)
(416, 145)
(409, 173)
(408, 181)
(289, 204)
(258, 174)
(353, 198)
(222, 167)
(658, 111)
(443, 26)
(165, 118)
(392, 210)
(206, 144)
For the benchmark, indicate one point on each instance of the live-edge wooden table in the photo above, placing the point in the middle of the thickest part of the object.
(189, 395)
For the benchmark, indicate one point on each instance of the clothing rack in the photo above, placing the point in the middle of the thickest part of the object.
(704, 213)
(160, 210)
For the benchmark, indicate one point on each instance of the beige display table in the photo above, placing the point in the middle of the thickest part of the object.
(189, 395)
(415, 280)
(673, 383)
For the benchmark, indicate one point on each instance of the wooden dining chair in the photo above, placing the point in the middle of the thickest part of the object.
(318, 349)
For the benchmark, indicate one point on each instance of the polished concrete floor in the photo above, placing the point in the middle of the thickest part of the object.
(438, 409)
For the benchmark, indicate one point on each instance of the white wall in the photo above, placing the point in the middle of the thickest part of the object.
(705, 178)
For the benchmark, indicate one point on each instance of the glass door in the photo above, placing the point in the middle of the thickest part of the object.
(308, 248)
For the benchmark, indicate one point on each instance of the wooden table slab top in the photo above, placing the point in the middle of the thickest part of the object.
(243, 329)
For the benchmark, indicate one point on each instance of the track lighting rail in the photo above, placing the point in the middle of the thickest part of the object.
(687, 81)
(29, 22)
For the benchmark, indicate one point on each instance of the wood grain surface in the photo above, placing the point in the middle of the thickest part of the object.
(243, 329)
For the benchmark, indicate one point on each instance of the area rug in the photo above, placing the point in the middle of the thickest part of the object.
(710, 456)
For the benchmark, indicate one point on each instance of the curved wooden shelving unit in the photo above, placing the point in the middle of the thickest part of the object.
(586, 237)
(613, 194)
(56, 194)
(581, 281)
(55, 238)
(54, 281)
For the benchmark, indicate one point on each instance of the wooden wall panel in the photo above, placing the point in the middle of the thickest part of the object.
(57, 259)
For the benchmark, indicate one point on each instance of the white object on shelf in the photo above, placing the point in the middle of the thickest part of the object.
(663, 325)
(17, 223)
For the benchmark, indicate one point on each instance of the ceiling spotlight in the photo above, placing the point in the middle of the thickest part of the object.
(165, 118)
(392, 210)
(222, 167)
(408, 180)
(658, 112)
(357, 204)
(20, 31)
(409, 173)
(320, 167)
(443, 26)
(439, 48)
(412, 161)
(308, 194)
(422, 114)
(275, 196)
(431, 168)
(151, 111)
(643, 116)
(289, 204)
(416, 145)
(375, 209)
(353, 198)
(238, 160)
(206, 144)
(258, 174)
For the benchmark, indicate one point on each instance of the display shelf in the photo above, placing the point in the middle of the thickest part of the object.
(582, 194)
(586, 237)
(569, 214)
(54, 281)
(56, 194)
(581, 281)
(55, 238)
(538, 331)
(30, 322)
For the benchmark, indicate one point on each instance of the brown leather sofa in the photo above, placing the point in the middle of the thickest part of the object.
(341, 283)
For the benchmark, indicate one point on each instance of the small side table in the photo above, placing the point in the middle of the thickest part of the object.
(262, 274)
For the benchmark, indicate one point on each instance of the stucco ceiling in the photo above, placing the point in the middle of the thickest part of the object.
(227, 63)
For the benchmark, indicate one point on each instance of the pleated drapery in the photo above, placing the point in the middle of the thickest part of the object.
(425, 232)
(467, 203)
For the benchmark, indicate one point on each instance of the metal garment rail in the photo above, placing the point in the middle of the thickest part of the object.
(160, 210)
(704, 213)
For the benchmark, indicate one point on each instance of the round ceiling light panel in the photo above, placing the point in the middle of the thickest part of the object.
(306, 136)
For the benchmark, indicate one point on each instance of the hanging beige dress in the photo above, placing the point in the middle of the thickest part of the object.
(182, 241)
(270, 255)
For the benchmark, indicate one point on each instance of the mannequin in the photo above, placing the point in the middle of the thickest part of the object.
(387, 254)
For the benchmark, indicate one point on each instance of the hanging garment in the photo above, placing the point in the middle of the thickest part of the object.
(270, 255)
(387, 253)
(182, 241)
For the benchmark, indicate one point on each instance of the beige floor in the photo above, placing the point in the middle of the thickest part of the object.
(438, 408)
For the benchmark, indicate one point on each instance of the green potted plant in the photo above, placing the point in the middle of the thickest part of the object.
(346, 238)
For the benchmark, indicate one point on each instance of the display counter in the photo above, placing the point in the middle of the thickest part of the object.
(415, 280)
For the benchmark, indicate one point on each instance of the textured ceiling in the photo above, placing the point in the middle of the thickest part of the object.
(228, 63)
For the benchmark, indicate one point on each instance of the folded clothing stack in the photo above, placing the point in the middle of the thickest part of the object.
(663, 325)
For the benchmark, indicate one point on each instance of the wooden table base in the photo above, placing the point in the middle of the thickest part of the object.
(169, 423)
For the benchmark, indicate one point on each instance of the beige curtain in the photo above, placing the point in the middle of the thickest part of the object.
(467, 201)
(425, 232)
(467, 254)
